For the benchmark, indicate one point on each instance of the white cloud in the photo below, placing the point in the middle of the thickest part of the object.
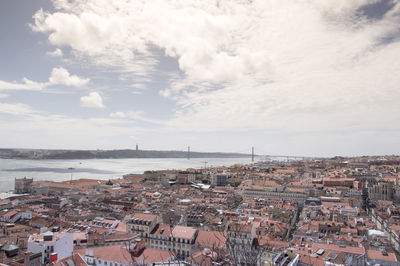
(118, 115)
(291, 65)
(25, 85)
(15, 109)
(61, 76)
(56, 53)
(92, 100)
(87, 32)
(130, 114)
(107, 39)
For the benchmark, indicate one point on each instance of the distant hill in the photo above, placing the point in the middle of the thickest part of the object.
(39, 154)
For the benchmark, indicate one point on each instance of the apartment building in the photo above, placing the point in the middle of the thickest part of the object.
(179, 239)
(51, 244)
(142, 224)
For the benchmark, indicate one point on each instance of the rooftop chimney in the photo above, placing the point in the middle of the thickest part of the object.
(53, 257)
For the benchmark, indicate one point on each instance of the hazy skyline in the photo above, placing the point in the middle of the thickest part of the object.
(315, 78)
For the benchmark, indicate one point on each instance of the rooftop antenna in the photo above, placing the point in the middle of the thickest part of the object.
(252, 154)
(137, 147)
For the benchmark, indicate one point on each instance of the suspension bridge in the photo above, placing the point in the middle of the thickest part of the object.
(261, 156)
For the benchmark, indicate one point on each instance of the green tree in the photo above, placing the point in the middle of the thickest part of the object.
(237, 182)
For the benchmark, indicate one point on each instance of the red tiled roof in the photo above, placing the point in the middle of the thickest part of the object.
(115, 253)
(76, 258)
(121, 254)
(144, 217)
(347, 249)
(162, 230)
(151, 255)
(210, 239)
(184, 232)
(377, 255)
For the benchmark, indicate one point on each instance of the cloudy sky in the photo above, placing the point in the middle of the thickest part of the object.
(300, 77)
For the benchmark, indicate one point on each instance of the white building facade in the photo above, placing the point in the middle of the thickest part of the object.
(49, 243)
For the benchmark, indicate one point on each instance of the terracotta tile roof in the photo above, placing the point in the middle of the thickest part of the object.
(265, 242)
(10, 213)
(151, 255)
(121, 254)
(210, 239)
(378, 255)
(347, 249)
(184, 232)
(121, 227)
(162, 230)
(115, 253)
(285, 171)
(203, 258)
(144, 217)
(75, 258)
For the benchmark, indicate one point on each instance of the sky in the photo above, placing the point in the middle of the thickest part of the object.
(296, 77)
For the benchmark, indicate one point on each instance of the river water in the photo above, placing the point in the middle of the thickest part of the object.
(60, 170)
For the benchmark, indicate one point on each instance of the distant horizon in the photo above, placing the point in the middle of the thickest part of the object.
(196, 151)
(132, 149)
